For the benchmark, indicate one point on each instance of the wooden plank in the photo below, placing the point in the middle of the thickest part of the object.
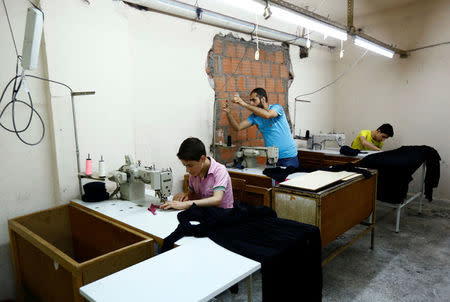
(67, 262)
(16, 263)
(115, 261)
(43, 278)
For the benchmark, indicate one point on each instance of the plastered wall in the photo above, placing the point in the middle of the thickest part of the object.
(411, 94)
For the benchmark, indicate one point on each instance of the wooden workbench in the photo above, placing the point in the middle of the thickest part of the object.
(335, 209)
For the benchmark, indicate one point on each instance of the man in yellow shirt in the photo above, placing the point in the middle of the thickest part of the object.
(373, 140)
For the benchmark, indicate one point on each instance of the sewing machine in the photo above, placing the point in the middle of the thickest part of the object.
(132, 179)
(247, 155)
(319, 140)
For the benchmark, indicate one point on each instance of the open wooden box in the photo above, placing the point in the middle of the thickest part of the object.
(56, 251)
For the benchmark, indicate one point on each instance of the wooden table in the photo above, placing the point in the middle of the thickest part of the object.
(335, 209)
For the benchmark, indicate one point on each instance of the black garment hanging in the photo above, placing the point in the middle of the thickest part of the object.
(395, 169)
(289, 251)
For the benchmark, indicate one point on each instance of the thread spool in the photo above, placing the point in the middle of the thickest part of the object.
(101, 168)
(88, 165)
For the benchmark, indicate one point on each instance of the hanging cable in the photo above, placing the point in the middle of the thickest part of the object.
(297, 98)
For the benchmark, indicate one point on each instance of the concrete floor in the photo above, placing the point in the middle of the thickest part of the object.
(412, 265)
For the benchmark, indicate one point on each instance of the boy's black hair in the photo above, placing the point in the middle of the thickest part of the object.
(191, 149)
(387, 129)
(260, 92)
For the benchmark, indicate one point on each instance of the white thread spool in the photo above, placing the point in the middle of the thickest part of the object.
(101, 168)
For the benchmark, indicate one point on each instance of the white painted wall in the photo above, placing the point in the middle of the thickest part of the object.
(412, 94)
(27, 181)
(148, 72)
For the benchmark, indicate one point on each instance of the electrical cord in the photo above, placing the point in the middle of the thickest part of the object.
(297, 98)
(428, 46)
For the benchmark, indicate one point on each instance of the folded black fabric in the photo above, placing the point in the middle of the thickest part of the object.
(395, 169)
(347, 150)
(95, 191)
(289, 251)
(280, 173)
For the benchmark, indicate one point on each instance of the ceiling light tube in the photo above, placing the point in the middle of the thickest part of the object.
(186, 11)
(374, 47)
(309, 23)
(294, 17)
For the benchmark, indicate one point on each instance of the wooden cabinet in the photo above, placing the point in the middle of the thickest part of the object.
(58, 250)
(334, 210)
(314, 159)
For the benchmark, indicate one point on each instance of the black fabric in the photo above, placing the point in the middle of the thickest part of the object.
(95, 191)
(395, 169)
(280, 173)
(349, 167)
(347, 150)
(289, 251)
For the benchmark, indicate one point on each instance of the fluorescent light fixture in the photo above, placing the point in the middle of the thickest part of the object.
(374, 47)
(294, 17)
(309, 23)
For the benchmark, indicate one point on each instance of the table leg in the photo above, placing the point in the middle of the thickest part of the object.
(249, 288)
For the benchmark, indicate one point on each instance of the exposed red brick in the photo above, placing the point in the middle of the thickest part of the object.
(282, 100)
(241, 84)
(275, 70)
(226, 65)
(279, 56)
(250, 53)
(231, 83)
(270, 85)
(262, 55)
(242, 135)
(227, 154)
(240, 51)
(261, 160)
(236, 66)
(273, 98)
(256, 68)
(269, 56)
(251, 134)
(260, 82)
(218, 47)
(279, 85)
(251, 83)
(246, 67)
(223, 96)
(284, 72)
(223, 121)
(266, 70)
(230, 49)
(220, 83)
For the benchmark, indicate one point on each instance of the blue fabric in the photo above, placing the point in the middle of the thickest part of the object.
(288, 162)
(276, 132)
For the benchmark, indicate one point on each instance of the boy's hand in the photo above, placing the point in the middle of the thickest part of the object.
(182, 196)
(176, 205)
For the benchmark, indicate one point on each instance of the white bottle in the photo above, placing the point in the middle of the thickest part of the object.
(101, 168)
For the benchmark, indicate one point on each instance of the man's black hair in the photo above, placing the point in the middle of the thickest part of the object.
(260, 92)
(387, 129)
(191, 149)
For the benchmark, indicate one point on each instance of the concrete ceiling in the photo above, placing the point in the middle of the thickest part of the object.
(336, 10)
